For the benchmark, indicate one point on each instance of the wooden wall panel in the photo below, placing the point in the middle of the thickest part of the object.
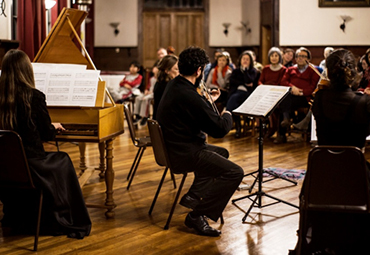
(177, 29)
(164, 30)
(183, 31)
(150, 38)
(198, 27)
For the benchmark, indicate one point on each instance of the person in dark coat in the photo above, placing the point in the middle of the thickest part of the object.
(185, 117)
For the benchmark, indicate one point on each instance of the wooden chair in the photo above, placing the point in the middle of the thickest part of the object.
(14, 171)
(139, 142)
(161, 157)
(336, 182)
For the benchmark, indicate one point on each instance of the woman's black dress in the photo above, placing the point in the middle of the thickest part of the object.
(64, 210)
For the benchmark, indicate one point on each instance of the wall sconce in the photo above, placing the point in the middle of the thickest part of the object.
(115, 26)
(2, 8)
(246, 27)
(226, 28)
(345, 19)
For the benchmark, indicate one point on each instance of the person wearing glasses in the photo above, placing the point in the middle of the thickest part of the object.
(303, 80)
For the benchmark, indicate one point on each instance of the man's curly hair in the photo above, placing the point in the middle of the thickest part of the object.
(191, 59)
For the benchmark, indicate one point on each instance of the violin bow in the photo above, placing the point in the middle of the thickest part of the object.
(315, 70)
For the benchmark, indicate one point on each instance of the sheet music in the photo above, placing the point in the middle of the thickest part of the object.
(262, 100)
(66, 85)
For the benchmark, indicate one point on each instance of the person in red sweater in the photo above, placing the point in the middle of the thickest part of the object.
(130, 85)
(273, 73)
(303, 81)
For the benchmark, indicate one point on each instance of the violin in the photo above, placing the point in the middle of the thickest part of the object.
(203, 91)
(323, 83)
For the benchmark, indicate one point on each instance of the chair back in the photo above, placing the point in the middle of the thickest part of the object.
(14, 170)
(130, 123)
(159, 147)
(336, 180)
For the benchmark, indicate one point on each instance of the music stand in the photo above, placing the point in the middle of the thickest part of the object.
(260, 104)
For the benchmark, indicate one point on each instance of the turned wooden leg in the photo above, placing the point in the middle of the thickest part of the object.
(101, 157)
(109, 178)
(82, 147)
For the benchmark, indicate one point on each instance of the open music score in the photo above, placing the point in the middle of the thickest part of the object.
(64, 84)
(263, 100)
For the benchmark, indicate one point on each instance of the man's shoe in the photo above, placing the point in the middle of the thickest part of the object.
(285, 123)
(200, 224)
(280, 139)
(189, 202)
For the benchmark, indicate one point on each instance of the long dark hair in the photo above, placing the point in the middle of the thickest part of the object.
(166, 63)
(16, 84)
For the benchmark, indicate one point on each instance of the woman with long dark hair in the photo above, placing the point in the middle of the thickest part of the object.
(243, 81)
(23, 109)
(167, 70)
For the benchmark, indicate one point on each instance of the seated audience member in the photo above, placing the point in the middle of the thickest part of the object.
(288, 56)
(365, 81)
(170, 50)
(23, 109)
(211, 65)
(342, 118)
(130, 85)
(327, 52)
(185, 117)
(231, 63)
(167, 70)
(303, 81)
(219, 78)
(242, 81)
(142, 103)
(273, 73)
(257, 65)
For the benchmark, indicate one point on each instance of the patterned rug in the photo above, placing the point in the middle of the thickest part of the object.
(294, 174)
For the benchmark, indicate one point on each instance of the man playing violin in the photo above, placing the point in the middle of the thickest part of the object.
(185, 118)
(303, 81)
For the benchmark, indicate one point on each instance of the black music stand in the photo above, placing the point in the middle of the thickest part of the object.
(258, 101)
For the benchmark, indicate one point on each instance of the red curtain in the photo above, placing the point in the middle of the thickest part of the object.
(31, 26)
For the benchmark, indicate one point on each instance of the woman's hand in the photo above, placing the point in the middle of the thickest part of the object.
(58, 126)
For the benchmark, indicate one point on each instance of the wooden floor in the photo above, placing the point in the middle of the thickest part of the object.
(268, 230)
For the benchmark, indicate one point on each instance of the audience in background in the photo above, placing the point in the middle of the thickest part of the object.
(211, 65)
(258, 66)
(272, 74)
(288, 56)
(242, 83)
(303, 81)
(327, 52)
(130, 85)
(219, 78)
(365, 81)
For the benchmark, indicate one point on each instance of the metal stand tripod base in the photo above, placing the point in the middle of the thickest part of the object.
(273, 177)
(258, 201)
(259, 194)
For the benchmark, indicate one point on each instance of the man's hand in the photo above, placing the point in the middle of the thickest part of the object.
(296, 91)
(215, 94)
